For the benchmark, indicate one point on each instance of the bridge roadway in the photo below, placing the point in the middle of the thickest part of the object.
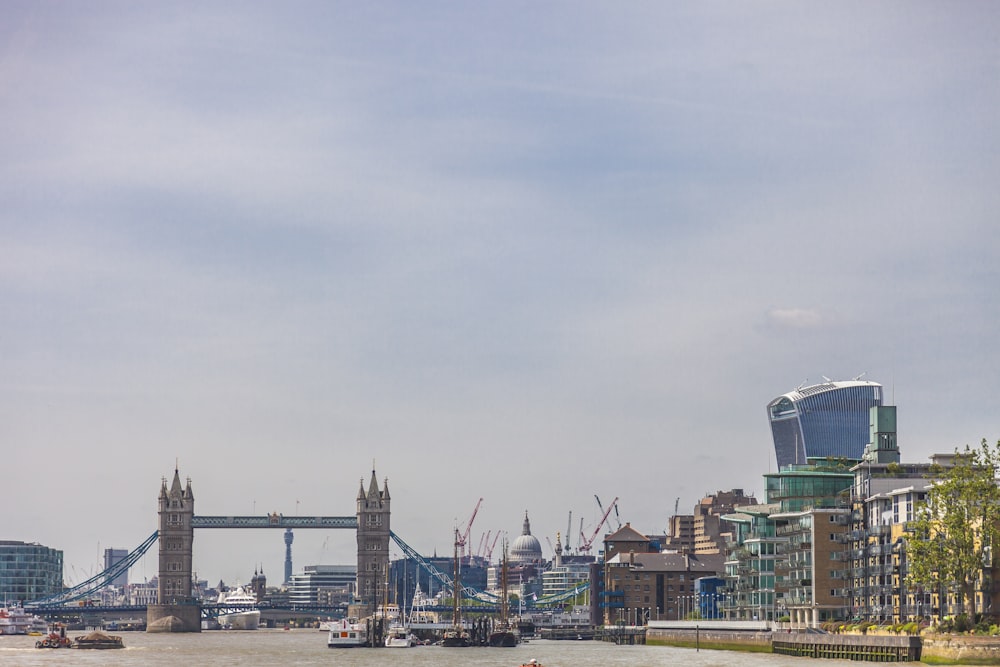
(275, 520)
(212, 610)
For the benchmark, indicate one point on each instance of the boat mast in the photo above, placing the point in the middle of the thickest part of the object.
(504, 602)
(457, 586)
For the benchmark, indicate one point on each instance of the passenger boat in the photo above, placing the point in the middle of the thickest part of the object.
(98, 640)
(16, 621)
(244, 614)
(347, 633)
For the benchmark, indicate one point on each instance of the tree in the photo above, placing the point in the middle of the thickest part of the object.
(957, 525)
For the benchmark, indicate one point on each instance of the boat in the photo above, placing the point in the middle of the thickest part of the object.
(38, 627)
(240, 610)
(504, 633)
(399, 636)
(14, 621)
(55, 640)
(456, 635)
(98, 640)
(347, 633)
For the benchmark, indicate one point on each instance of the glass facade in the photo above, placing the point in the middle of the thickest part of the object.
(828, 420)
(29, 571)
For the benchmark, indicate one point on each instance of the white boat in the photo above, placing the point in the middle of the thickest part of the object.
(14, 621)
(242, 613)
(38, 626)
(399, 636)
(347, 633)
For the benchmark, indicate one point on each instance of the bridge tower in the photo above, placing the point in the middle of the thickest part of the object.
(373, 545)
(176, 610)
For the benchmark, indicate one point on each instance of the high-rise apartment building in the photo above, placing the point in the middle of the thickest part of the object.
(828, 420)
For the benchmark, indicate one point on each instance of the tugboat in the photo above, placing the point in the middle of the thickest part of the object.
(55, 640)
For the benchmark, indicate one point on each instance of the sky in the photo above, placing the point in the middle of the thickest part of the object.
(526, 252)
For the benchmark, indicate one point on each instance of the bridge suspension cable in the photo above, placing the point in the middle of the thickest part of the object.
(98, 581)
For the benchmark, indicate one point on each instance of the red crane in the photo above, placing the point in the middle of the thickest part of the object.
(489, 550)
(464, 537)
(584, 542)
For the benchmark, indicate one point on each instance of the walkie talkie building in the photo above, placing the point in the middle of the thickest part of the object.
(824, 420)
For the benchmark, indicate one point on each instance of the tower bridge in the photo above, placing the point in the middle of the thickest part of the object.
(178, 611)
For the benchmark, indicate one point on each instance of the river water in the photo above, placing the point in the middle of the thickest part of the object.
(308, 647)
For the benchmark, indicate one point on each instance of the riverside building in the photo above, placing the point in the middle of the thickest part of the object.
(29, 571)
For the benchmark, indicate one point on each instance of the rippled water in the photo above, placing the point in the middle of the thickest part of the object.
(308, 647)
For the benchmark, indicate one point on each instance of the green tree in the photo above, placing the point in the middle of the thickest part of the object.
(955, 528)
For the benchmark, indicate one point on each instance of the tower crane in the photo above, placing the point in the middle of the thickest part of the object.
(614, 505)
(464, 537)
(483, 539)
(584, 542)
(489, 549)
(569, 531)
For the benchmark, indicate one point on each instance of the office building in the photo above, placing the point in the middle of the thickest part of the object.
(29, 571)
(111, 558)
(828, 420)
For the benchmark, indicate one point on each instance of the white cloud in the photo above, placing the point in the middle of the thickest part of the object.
(796, 318)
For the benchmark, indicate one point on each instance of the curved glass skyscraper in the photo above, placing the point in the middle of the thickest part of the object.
(824, 420)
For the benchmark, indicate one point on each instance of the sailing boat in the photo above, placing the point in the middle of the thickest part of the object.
(503, 633)
(456, 635)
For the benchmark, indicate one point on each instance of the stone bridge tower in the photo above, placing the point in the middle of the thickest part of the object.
(373, 545)
(176, 610)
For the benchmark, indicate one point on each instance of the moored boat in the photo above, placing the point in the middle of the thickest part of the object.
(456, 635)
(504, 633)
(347, 633)
(399, 636)
(14, 621)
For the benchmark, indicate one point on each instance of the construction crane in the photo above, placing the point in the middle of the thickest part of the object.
(569, 531)
(489, 550)
(601, 507)
(585, 544)
(464, 537)
(483, 539)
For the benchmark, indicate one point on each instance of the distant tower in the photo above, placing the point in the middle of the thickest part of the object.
(882, 445)
(289, 537)
(373, 543)
(258, 584)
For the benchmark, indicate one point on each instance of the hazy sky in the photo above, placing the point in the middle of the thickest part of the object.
(519, 251)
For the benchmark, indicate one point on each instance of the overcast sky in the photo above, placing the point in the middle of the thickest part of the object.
(519, 251)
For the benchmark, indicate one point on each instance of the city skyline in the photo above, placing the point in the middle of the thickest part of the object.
(530, 254)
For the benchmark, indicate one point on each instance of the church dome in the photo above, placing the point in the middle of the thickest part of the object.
(526, 548)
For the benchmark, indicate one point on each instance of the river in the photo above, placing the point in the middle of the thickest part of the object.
(308, 647)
